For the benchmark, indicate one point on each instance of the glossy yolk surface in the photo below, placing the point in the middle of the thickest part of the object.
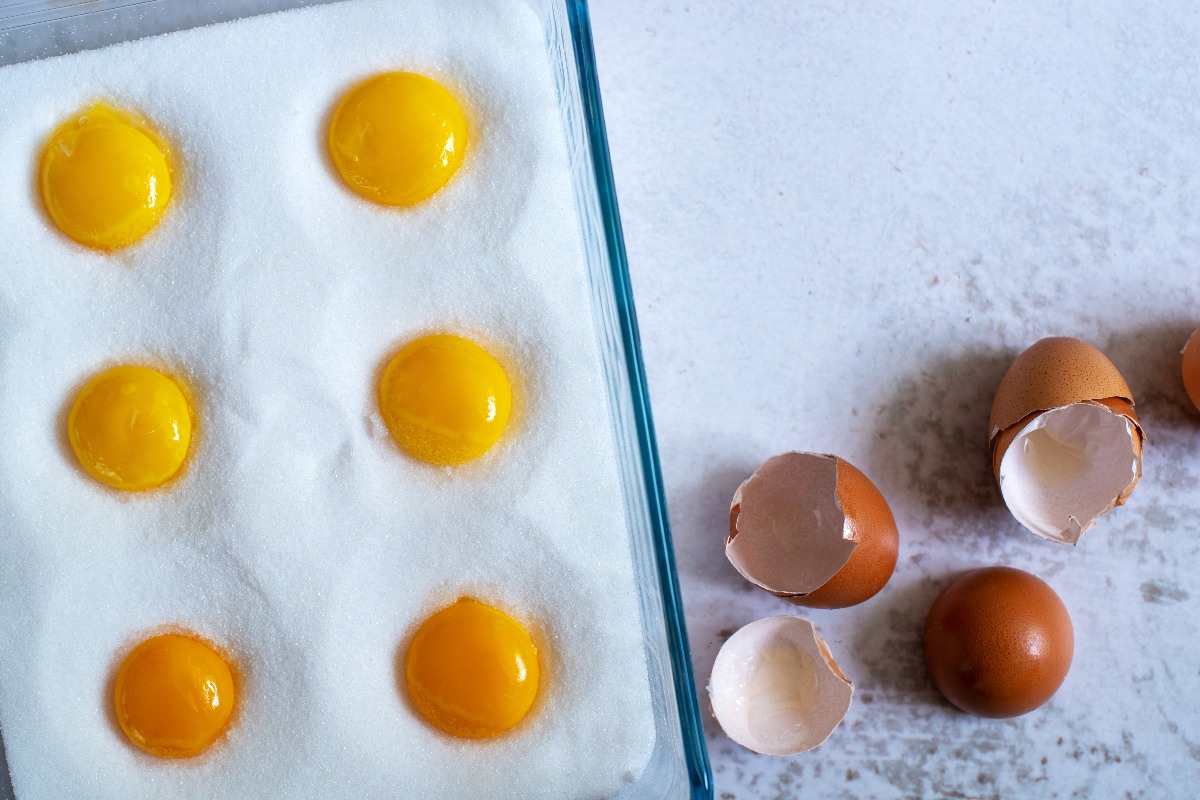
(173, 696)
(445, 399)
(130, 427)
(105, 178)
(397, 138)
(472, 670)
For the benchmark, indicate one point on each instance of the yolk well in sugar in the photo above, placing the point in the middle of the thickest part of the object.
(174, 695)
(131, 427)
(445, 399)
(471, 670)
(397, 138)
(105, 178)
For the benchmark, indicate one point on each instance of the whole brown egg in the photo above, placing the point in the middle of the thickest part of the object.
(1191, 369)
(998, 642)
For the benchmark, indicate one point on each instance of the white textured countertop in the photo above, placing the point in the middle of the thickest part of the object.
(844, 220)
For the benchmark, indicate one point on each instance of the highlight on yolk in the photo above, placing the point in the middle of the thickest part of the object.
(130, 427)
(472, 670)
(173, 695)
(397, 138)
(445, 399)
(105, 178)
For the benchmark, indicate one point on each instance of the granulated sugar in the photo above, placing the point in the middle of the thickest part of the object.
(299, 537)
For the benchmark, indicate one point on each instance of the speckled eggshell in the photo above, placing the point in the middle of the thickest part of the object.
(870, 523)
(1052, 373)
(998, 642)
(1057, 372)
(1191, 369)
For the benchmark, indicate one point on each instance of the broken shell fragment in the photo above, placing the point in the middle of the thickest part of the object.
(1191, 369)
(776, 689)
(1066, 442)
(812, 529)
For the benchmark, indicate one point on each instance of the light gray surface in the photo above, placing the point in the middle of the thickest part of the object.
(844, 220)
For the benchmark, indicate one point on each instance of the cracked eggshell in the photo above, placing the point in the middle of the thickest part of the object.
(812, 529)
(1052, 373)
(1066, 393)
(775, 688)
(1191, 369)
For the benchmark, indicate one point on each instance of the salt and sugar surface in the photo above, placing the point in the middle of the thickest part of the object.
(299, 538)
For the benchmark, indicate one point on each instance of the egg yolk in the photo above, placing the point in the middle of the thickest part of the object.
(397, 138)
(472, 670)
(173, 695)
(130, 427)
(105, 178)
(445, 399)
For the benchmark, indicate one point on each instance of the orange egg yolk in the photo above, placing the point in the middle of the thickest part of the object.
(105, 178)
(445, 399)
(130, 427)
(397, 138)
(472, 670)
(173, 696)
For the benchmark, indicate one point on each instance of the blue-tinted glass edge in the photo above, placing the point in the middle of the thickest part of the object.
(699, 771)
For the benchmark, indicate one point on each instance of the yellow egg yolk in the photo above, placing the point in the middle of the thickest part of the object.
(472, 670)
(445, 399)
(397, 138)
(173, 695)
(105, 178)
(130, 427)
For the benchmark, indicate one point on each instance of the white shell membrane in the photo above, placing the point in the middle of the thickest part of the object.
(1067, 467)
(774, 688)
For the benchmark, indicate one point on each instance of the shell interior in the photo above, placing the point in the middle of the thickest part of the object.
(1068, 466)
(776, 690)
(788, 532)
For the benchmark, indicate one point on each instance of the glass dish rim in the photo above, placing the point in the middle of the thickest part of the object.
(692, 728)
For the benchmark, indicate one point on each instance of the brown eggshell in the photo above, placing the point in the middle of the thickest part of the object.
(870, 523)
(998, 642)
(1058, 372)
(812, 529)
(1191, 369)
(1052, 373)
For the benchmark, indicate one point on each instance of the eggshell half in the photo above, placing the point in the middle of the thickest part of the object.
(812, 529)
(775, 688)
(1052, 375)
(1191, 369)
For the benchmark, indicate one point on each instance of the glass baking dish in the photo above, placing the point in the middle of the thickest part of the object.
(32, 29)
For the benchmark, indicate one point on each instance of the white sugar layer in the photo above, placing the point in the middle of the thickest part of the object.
(300, 538)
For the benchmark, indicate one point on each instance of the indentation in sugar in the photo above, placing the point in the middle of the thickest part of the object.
(115, 602)
(581, 700)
